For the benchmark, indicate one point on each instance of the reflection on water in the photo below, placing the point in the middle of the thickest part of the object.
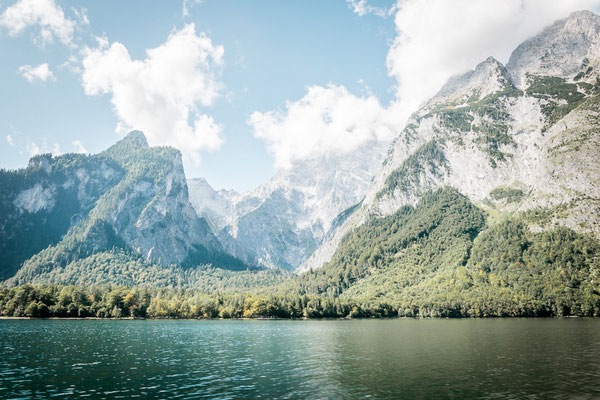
(501, 358)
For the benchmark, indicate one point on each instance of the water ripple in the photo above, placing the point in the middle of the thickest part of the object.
(491, 359)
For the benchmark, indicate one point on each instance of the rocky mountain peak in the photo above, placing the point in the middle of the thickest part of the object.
(582, 21)
(281, 222)
(214, 206)
(507, 150)
(488, 77)
(136, 138)
(562, 50)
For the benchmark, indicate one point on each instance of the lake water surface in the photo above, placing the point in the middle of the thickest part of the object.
(494, 358)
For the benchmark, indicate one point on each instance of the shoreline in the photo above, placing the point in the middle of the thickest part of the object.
(281, 319)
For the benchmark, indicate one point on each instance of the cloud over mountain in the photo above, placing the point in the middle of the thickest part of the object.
(436, 39)
(162, 94)
(326, 119)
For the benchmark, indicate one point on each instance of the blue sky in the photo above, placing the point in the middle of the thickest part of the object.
(241, 88)
(273, 50)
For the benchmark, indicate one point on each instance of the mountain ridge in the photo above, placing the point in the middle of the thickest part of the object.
(482, 132)
(141, 206)
(278, 224)
(485, 204)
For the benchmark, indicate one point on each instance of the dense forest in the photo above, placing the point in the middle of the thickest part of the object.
(437, 259)
(43, 301)
(440, 258)
(20, 233)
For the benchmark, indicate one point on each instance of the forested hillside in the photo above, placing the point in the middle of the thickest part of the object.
(437, 259)
(122, 216)
(487, 204)
(440, 258)
(39, 203)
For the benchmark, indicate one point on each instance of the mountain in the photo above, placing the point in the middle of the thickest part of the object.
(279, 224)
(488, 129)
(41, 202)
(492, 189)
(512, 139)
(487, 204)
(441, 258)
(216, 207)
(129, 201)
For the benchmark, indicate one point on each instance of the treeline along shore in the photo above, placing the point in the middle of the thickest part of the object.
(59, 301)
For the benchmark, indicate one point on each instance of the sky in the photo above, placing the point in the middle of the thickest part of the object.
(242, 88)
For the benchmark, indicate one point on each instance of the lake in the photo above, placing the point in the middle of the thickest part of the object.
(402, 358)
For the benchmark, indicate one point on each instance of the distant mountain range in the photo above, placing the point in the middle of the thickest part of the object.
(491, 189)
(280, 223)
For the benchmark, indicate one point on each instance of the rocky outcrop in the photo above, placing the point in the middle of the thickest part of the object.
(149, 208)
(564, 50)
(216, 207)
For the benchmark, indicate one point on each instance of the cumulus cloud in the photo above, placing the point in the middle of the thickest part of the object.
(40, 73)
(10, 140)
(435, 39)
(46, 15)
(79, 148)
(438, 38)
(326, 119)
(161, 94)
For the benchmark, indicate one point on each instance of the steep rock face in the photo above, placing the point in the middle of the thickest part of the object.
(149, 208)
(519, 138)
(487, 78)
(563, 50)
(39, 204)
(130, 197)
(216, 207)
(283, 221)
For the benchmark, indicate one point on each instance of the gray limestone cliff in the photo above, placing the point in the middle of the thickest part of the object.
(280, 223)
(131, 196)
(524, 137)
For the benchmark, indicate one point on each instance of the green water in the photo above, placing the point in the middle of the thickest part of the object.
(501, 358)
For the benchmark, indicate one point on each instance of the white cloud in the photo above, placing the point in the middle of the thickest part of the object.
(10, 140)
(40, 73)
(187, 4)
(81, 15)
(439, 38)
(44, 14)
(326, 119)
(435, 40)
(79, 148)
(34, 149)
(362, 7)
(161, 94)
